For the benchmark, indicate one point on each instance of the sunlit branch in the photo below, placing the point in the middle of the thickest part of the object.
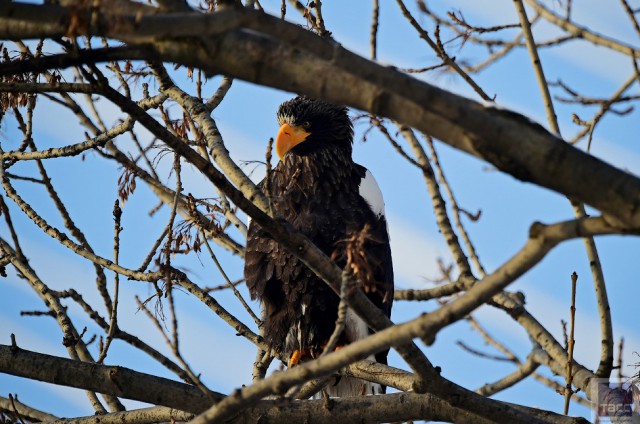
(606, 359)
(492, 134)
(439, 206)
(72, 340)
(13, 405)
(583, 32)
(525, 369)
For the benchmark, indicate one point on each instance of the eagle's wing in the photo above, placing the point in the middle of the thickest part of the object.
(380, 252)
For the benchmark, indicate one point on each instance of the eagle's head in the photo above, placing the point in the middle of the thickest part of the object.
(309, 125)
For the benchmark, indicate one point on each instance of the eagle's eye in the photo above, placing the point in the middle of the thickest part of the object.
(306, 125)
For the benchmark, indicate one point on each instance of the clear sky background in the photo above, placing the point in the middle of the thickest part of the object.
(246, 119)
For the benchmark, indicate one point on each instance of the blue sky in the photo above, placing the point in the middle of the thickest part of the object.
(247, 119)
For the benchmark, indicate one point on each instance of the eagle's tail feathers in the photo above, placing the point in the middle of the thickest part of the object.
(351, 386)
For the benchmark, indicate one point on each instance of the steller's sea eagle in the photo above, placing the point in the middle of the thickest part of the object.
(323, 193)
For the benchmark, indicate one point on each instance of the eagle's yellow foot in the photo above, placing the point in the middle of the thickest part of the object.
(295, 358)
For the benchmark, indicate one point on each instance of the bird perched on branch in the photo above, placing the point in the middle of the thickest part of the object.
(337, 204)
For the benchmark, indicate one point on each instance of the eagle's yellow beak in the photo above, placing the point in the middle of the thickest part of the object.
(288, 138)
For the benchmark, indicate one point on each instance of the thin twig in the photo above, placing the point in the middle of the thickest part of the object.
(523, 371)
(439, 205)
(220, 93)
(441, 53)
(463, 23)
(347, 284)
(606, 358)
(535, 60)
(373, 33)
(470, 248)
(631, 15)
(583, 32)
(322, 31)
(113, 325)
(569, 376)
(230, 284)
(620, 362)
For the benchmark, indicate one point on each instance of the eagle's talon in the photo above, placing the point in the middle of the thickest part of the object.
(295, 358)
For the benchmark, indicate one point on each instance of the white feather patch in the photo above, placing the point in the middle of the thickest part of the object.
(355, 329)
(370, 191)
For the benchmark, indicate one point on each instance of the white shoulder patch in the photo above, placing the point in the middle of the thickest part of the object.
(370, 191)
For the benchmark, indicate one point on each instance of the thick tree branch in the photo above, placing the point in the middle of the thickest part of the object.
(156, 414)
(117, 381)
(543, 238)
(384, 408)
(25, 411)
(322, 68)
(130, 384)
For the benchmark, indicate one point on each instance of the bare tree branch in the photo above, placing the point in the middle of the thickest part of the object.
(504, 139)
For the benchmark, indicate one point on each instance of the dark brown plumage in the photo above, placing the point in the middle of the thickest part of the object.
(317, 188)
